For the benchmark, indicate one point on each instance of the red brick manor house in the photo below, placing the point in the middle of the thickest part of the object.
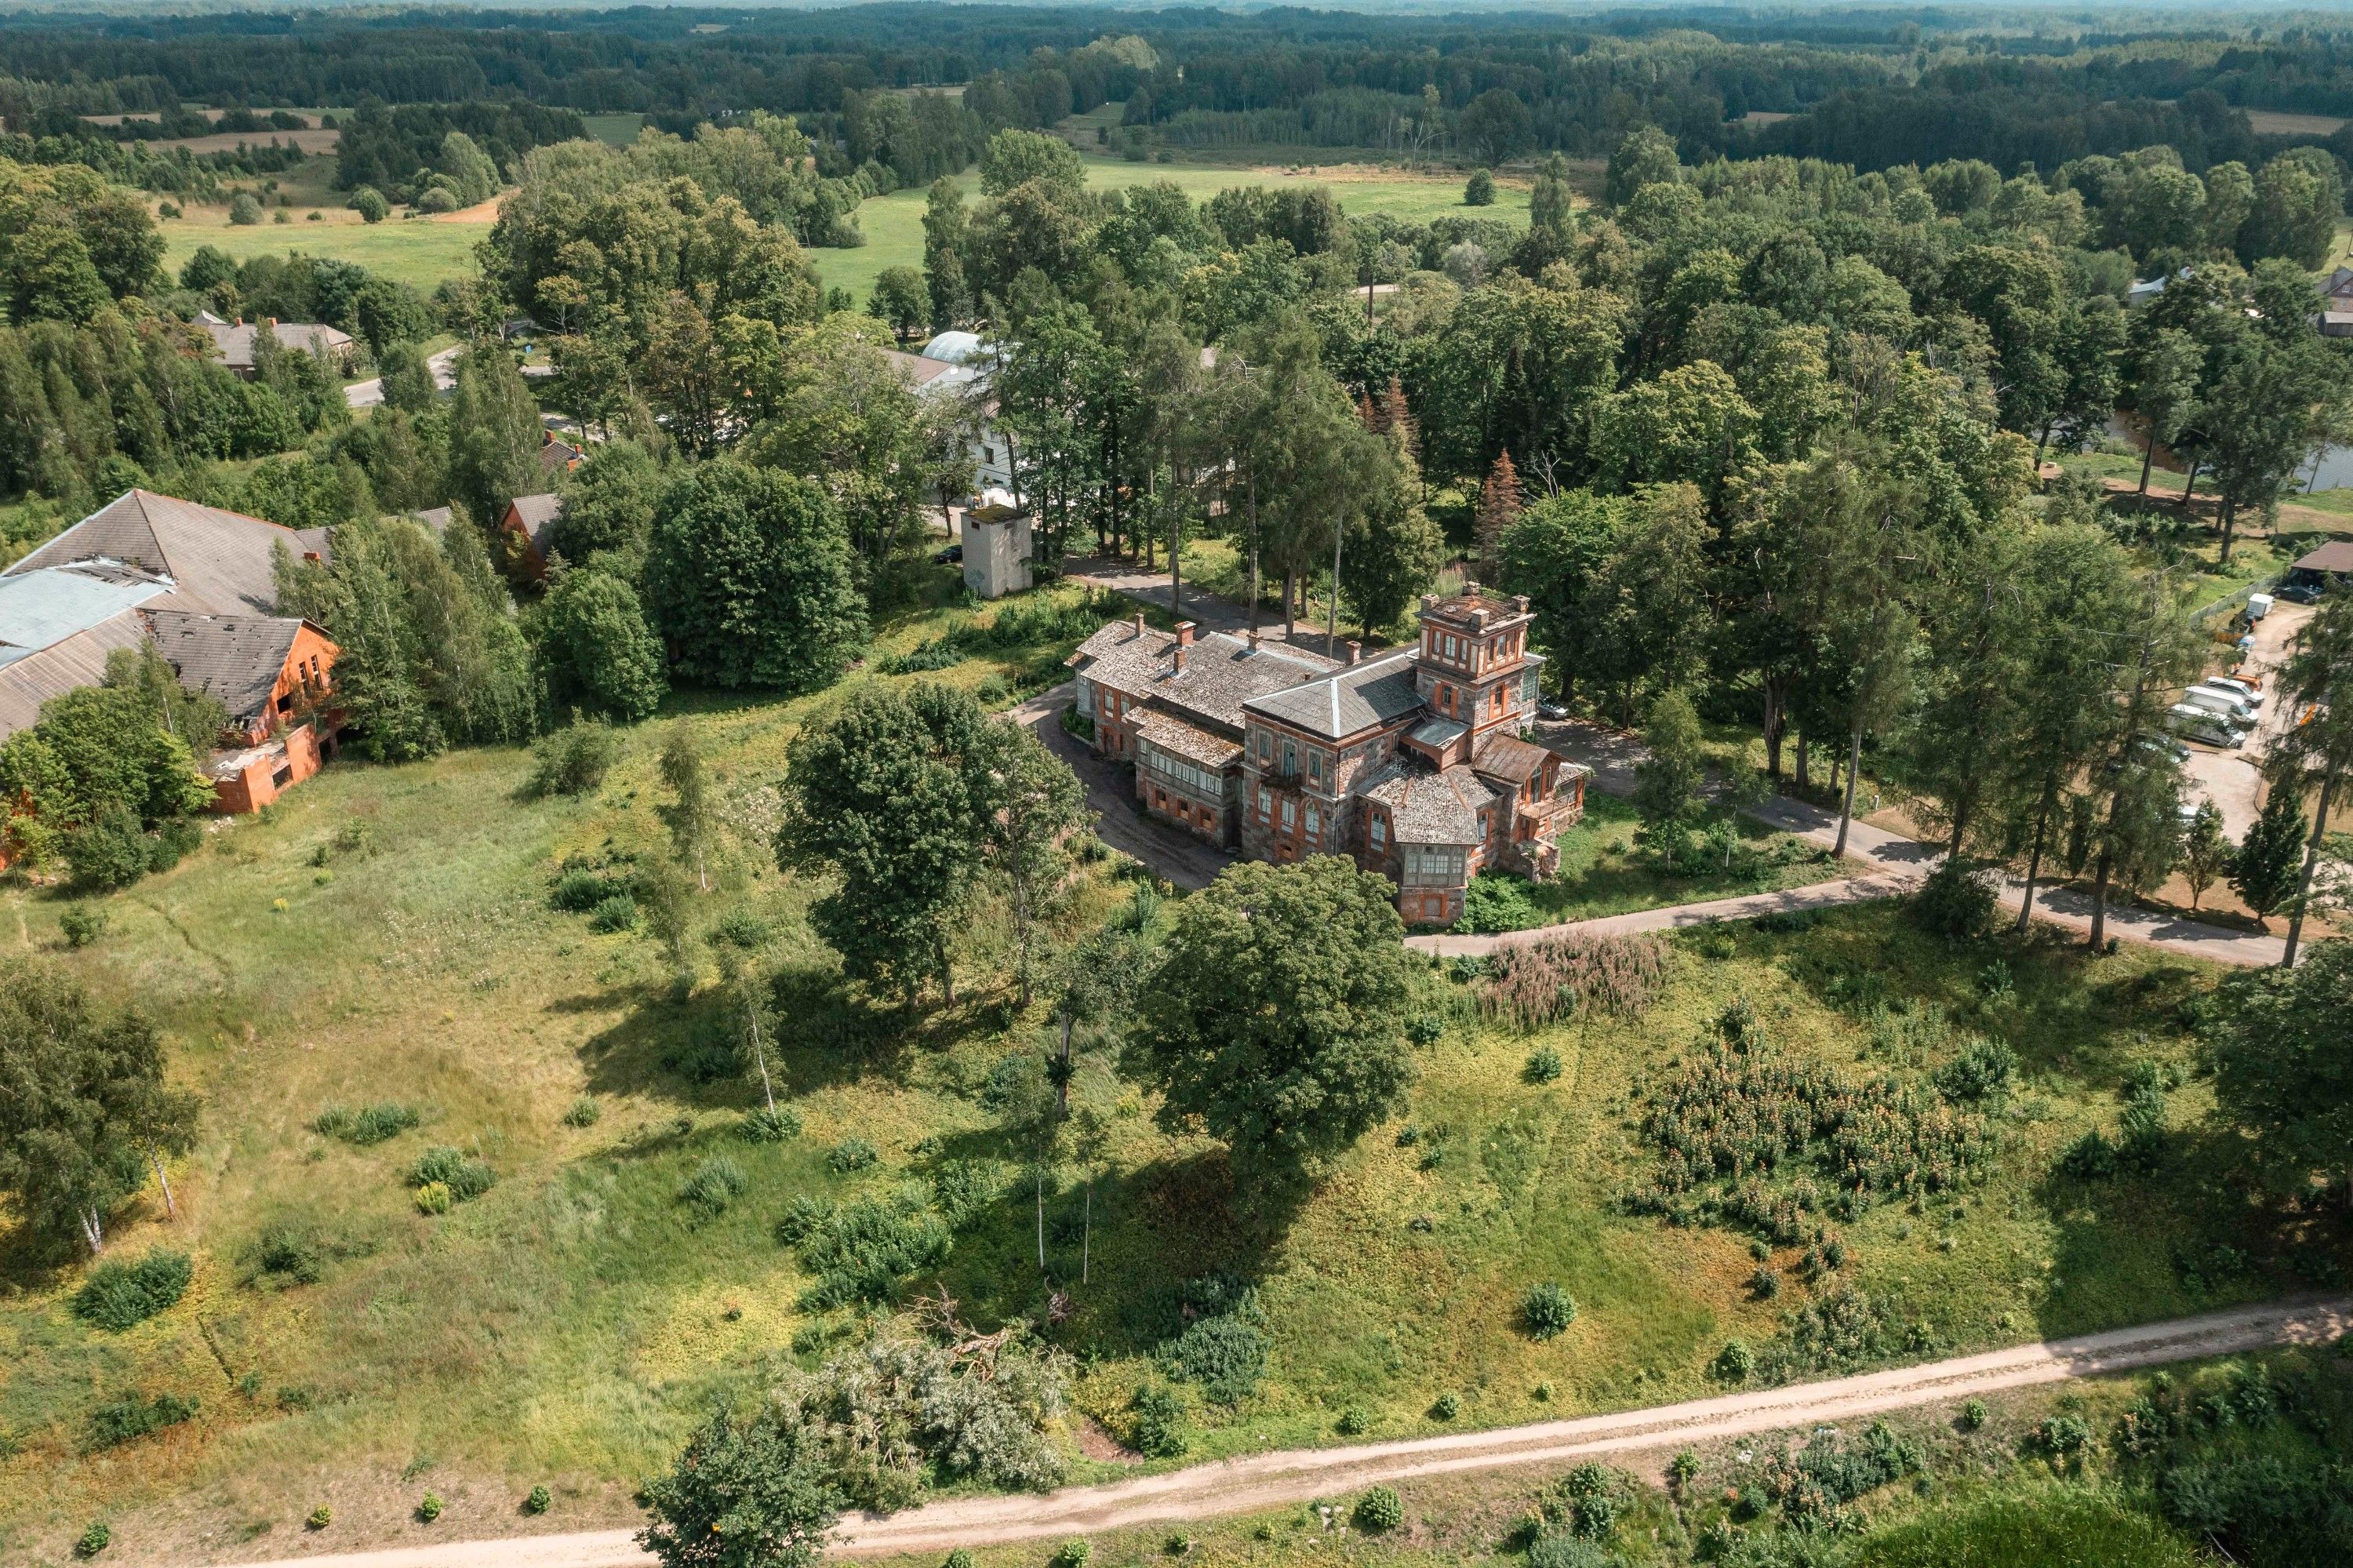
(1412, 762)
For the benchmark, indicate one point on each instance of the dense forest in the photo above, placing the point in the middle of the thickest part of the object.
(1870, 88)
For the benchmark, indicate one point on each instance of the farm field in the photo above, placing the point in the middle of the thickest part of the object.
(893, 224)
(383, 936)
(421, 252)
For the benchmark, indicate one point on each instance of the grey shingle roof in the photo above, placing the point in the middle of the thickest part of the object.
(236, 341)
(1221, 672)
(218, 561)
(1170, 733)
(1378, 691)
(1427, 808)
(237, 658)
(537, 514)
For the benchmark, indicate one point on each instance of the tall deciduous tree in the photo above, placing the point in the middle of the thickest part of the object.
(2317, 751)
(889, 797)
(749, 579)
(84, 1110)
(1033, 803)
(597, 650)
(1270, 1020)
(748, 1492)
(494, 434)
(693, 814)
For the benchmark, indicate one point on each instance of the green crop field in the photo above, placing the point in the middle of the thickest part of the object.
(568, 1325)
(893, 224)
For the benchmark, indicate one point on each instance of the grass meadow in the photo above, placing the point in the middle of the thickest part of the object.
(568, 1326)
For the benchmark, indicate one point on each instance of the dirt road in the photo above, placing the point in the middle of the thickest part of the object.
(1270, 1481)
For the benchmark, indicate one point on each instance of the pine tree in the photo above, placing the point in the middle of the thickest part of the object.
(1499, 505)
(2264, 873)
(2205, 853)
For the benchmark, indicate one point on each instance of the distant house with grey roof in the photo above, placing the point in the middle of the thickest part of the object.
(1413, 762)
(237, 341)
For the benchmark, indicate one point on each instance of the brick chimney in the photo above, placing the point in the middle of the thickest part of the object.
(1519, 604)
(1470, 589)
(1356, 650)
(1177, 659)
(1184, 634)
(269, 322)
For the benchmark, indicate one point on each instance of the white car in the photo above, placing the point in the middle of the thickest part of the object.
(2191, 722)
(2219, 701)
(2246, 691)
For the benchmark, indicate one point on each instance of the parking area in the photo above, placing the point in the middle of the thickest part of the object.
(2232, 780)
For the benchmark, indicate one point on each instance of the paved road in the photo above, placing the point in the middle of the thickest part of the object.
(1272, 1479)
(368, 393)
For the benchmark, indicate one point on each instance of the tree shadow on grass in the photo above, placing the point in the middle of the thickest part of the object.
(2186, 1235)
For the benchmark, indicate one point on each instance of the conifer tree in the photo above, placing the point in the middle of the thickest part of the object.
(1499, 501)
(2264, 873)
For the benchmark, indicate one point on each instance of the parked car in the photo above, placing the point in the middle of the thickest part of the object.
(2219, 701)
(952, 554)
(1548, 709)
(2248, 691)
(2306, 591)
(2207, 728)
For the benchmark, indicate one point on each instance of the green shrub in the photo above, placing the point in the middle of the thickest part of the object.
(94, 1540)
(538, 1501)
(1379, 1510)
(781, 1124)
(740, 928)
(963, 1190)
(582, 1111)
(1543, 1065)
(1224, 1353)
(712, 1186)
(1156, 1423)
(1479, 190)
(127, 1419)
(2091, 1157)
(1353, 1422)
(1973, 1414)
(860, 1252)
(372, 1125)
(573, 760)
(428, 1508)
(617, 913)
(852, 1154)
(434, 1198)
(577, 891)
(1983, 1069)
(1425, 1029)
(295, 1254)
(959, 1558)
(81, 925)
(1446, 1408)
(319, 1517)
(466, 1178)
(1072, 1555)
(1734, 1362)
(119, 1296)
(1497, 901)
(1956, 900)
(1547, 1310)
(1765, 1283)
(2063, 1436)
(109, 852)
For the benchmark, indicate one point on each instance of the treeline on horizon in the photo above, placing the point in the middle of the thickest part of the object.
(1874, 88)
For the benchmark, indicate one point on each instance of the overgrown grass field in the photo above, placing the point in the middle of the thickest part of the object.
(384, 937)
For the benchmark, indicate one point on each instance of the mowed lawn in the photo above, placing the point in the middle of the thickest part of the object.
(569, 1325)
(893, 224)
